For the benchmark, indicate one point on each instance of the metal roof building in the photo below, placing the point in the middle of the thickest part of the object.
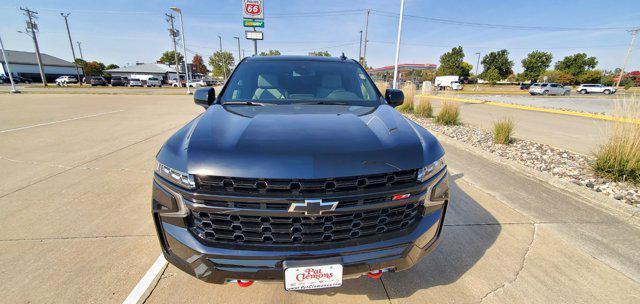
(25, 64)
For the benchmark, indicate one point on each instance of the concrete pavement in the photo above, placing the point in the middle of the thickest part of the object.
(77, 227)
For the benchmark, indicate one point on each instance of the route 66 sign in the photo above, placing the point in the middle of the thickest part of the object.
(253, 9)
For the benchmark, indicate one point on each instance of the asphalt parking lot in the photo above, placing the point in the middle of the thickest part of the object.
(591, 103)
(75, 199)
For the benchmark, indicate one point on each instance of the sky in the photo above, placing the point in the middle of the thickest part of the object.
(124, 32)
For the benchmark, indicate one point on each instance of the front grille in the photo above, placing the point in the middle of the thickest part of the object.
(247, 229)
(219, 184)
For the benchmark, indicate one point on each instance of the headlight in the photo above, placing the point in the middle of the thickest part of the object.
(430, 170)
(177, 177)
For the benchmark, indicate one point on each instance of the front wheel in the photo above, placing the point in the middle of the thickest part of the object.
(545, 93)
(583, 91)
(566, 93)
(607, 92)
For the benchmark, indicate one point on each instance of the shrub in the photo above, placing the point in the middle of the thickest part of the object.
(424, 108)
(409, 90)
(449, 114)
(502, 131)
(619, 157)
(382, 86)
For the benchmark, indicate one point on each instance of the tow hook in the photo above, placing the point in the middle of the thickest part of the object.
(244, 283)
(376, 274)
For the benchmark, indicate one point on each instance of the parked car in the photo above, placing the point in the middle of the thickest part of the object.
(525, 86)
(447, 82)
(98, 81)
(64, 80)
(202, 82)
(282, 176)
(135, 82)
(595, 88)
(154, 82)
(548, 89)
(119, 81)
(2, 79)
(20, 79)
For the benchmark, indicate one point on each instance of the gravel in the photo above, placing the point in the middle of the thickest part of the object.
(569, 166)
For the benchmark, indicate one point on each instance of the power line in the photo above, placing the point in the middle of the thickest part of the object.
(501, 47)
(497, 26)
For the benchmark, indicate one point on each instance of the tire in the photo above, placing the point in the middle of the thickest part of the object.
(566, 93)
(545, 93)
(607, 92)
(533, 94)
(583, 91)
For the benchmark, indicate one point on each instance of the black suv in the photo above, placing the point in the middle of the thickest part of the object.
(119, 81)
(300, 171)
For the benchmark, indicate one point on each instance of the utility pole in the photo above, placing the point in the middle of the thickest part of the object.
(73, 52)
(360, 49)
(477, 65)
(395, 69)
(80, 49)
(224, 67)
(174, 35)
(6, 61)
(366, 39)
(184, 46)
(239, 58)
(33, 27)
(634, 34)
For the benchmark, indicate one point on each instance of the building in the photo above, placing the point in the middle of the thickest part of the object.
(25, 64)
(143, 71)
(406, 72)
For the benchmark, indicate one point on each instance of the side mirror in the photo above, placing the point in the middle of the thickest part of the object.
(394, 97)
(204, 97)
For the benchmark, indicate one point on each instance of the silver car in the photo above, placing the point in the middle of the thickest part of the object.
(595, 88)
(548, 89)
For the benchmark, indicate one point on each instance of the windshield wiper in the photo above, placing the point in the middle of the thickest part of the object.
(324, 102)
(244, 103)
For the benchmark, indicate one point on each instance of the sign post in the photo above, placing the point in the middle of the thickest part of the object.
(253, 14)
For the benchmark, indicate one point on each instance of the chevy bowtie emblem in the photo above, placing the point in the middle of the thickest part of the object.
(313, 207)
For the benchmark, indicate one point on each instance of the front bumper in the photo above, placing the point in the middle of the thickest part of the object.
(394, 251)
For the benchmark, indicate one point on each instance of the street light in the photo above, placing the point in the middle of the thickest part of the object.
(395, 69)
(184, 47)
(6, 61)
(477, 65)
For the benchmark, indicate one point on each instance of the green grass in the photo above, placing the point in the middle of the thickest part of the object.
(502, 131)
(449, 114)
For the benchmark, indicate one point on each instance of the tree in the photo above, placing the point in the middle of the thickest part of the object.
(270, 53)
(168, 57)
(466, 69)
(492, 76)
(497, 60)
(451, 63)
(576, 64)
(593, 76)
(198, 65)
(94, 68)
(221, 63)
(320, 53)
(535, 64)
(557, 76)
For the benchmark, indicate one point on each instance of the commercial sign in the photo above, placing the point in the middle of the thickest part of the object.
(253, 35)
(253, 9)
(253, 23)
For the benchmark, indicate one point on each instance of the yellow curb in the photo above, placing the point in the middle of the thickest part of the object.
(494, 92)
(537, 109)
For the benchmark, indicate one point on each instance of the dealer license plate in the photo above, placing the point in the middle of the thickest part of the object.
(313, 277)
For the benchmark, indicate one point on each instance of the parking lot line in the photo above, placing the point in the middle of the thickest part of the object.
(144, 286)
(58, 121)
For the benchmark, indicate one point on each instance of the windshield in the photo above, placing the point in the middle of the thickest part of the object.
(300, 81)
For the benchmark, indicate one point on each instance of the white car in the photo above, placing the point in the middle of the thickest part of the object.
(595, 88)
(154, 82)
(64, 80)
(135, 82)
(548, 89)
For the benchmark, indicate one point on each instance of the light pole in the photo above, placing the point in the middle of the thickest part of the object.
(239, 58)
(224, 70)
(360, 49)
(477, 65)
(80, 49)
(395, 68)
(6, 62)
(184, 47)
(73, 53)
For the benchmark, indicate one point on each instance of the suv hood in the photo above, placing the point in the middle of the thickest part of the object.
(310, 141)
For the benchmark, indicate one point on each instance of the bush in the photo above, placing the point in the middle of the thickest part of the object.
(502, 131)
(382, 86)
(449, 114)
(424, 108)
(619, 158)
